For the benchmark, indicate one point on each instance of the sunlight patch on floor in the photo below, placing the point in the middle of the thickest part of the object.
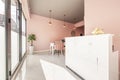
(55, 72)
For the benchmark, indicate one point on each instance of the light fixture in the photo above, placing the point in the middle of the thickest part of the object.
(50, 22)
(64, 21)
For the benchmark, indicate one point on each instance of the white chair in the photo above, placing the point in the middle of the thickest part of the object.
(52, 49)
(59, 47)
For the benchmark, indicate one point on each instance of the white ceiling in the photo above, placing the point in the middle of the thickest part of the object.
(73, 9)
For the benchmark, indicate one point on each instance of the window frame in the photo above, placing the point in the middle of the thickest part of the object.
(25, 31)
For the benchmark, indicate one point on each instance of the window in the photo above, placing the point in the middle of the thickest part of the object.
(23, 35)
(2, 41)
(11, 37)
(14, 36)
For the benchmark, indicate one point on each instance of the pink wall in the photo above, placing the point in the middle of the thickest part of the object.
(79, 24)
(46, 33)
(79, 30)
(104, 14)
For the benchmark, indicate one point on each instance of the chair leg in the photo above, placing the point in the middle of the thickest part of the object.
(63, 52)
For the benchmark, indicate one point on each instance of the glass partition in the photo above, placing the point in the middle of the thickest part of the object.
(2, 41)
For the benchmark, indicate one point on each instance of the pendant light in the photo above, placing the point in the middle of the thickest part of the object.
(64, 25)
(50, 22)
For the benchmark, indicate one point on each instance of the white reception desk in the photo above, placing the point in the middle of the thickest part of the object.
(91, 57)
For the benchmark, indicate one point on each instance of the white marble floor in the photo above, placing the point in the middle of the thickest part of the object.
(45, 67)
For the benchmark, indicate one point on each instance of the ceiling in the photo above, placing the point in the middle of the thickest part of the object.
(73, 9)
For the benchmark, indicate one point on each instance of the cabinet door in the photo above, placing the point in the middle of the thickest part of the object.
(87, 58)
(81, 57)
(69, 52)
(104, 50)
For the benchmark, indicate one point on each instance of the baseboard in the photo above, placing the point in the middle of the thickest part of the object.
(41, 51)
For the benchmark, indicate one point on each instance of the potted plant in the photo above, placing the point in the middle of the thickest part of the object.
(31, 38)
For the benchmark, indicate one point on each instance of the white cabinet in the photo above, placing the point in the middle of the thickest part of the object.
(91, 57)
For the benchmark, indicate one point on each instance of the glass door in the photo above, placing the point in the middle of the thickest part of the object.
(14, 36)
